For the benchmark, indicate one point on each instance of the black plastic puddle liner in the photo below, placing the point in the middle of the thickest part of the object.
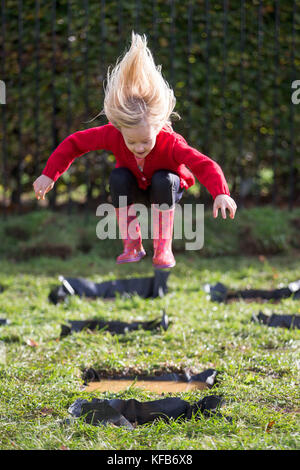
(3, 321)
(133, 412)
(220, 293)
(115, 326)
(145, 287)
(275, 320)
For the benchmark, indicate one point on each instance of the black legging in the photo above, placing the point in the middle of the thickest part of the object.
(164, 188)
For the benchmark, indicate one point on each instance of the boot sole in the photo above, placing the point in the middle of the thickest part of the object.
(132, 260)
(162, 266)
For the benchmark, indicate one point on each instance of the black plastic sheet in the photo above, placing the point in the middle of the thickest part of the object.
(208, 376)
(114, 326)
(220, 293)
(145, 287)
(277, 320)
(127, 412)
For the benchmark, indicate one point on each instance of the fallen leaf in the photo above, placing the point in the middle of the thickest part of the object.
(32, 343)
(64, 448)
(269, 426)
(275, 274)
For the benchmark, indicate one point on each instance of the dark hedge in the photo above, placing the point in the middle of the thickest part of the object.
(231, 78)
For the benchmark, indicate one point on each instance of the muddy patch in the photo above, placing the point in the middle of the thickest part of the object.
(49, 250)
(16, 232)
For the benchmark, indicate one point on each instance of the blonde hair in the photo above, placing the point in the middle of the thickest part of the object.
(136, 90)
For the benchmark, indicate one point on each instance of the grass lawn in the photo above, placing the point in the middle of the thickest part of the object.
(41, 375)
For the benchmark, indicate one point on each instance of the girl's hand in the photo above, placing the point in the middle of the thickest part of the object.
(224, 202)
(42, 185)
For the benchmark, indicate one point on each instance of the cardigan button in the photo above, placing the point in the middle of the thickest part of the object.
(143, 178)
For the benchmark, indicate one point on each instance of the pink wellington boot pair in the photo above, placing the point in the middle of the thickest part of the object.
(163, 222)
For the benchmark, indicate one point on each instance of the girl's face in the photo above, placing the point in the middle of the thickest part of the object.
(140, 140)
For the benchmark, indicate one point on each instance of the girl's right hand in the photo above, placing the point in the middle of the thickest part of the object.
(42, 185)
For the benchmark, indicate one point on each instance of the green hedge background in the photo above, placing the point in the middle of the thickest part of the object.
(248, 132)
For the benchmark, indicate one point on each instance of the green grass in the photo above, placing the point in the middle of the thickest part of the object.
(258, 366)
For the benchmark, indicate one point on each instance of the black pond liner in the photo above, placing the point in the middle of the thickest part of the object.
(114, 326)
(145, 287)
(277, 320)
(3, 321)
(208, 376)
(220, 293)
(126, 412)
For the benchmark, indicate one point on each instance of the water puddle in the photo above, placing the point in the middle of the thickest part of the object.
(156, 386)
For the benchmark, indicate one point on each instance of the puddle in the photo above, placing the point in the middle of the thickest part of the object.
(156, 386)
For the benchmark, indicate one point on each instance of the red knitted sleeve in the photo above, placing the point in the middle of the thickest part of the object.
(206, 170)
(77, 144)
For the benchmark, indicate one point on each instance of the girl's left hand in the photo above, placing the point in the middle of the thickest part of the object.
(224, 202)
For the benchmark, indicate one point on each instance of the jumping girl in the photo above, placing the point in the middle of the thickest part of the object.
(151, 159)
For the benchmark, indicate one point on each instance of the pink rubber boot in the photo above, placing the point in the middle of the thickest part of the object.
(131, 235)
(163, 223)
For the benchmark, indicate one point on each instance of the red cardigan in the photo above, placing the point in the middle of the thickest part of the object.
(171, 152)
